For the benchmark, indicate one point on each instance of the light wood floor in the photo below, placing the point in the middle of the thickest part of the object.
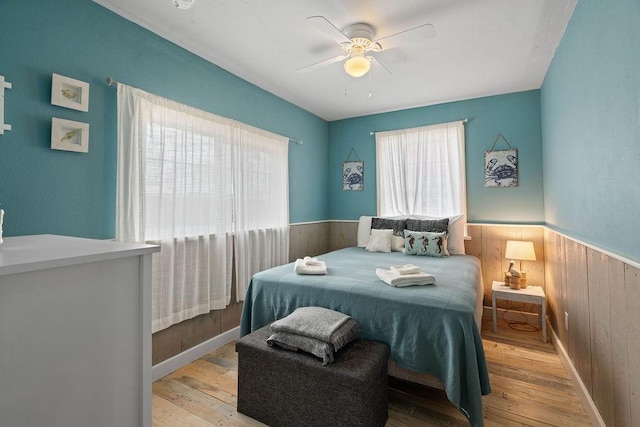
(530, 387)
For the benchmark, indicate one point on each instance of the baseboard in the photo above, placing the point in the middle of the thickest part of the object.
(589, 406)
(176, 362)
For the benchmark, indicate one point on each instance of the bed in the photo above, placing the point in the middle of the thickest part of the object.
(430, 329)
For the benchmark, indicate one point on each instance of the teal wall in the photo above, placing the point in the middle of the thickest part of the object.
(583, 126)
(516, 116)
(49, 191)
(590, 107)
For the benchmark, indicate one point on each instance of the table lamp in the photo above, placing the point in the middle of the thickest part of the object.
(521, 251)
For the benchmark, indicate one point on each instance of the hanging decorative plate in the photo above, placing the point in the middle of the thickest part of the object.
(352, 173)
(501, 166)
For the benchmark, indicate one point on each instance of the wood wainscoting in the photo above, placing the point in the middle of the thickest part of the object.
(600, 333)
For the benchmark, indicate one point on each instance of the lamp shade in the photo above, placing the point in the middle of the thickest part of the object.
(357, 66)
(522, 251)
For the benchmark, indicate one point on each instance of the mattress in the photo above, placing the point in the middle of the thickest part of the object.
(429, 329)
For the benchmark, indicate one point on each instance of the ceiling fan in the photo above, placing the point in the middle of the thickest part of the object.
(357, 40)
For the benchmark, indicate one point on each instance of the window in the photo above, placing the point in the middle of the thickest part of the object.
(204, 187)
(421, 171)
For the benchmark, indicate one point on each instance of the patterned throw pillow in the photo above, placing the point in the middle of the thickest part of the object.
(425, 243)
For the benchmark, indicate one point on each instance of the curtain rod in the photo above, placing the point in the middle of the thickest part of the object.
(112, 82)
(376, 131)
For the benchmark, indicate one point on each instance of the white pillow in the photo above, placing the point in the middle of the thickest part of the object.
(364, 230)
(379, 241)
(455, 239)
(397, 243)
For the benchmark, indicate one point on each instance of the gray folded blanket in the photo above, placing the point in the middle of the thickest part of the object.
(316, 330)
(294, 342)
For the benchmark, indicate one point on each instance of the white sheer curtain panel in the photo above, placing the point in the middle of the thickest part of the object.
(421, 171)
(174, 188)
(261, 203)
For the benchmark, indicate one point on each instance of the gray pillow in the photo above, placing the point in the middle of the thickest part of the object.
(428, 225)
(397, 225)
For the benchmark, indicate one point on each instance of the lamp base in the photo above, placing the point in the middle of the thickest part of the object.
(516, 282)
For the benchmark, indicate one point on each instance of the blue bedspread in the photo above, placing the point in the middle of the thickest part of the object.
(428, 328)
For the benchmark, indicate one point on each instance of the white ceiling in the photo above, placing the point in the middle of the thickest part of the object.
(481, 47)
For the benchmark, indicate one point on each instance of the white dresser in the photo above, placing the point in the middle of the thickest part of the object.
(75, 332)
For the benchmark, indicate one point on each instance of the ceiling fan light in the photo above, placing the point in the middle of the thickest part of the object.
(357, 66)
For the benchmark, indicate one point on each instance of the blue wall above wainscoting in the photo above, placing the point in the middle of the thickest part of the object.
(516, 116)
(58, 192)
(590, 103)
(48, 191)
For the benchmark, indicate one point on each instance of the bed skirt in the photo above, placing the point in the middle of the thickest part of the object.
(402, 373)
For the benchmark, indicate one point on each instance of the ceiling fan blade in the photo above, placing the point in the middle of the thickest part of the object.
(384, 67)
(412, 35)
(322, 24)
(321, 64)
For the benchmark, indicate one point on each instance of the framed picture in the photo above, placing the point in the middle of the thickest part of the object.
(69, 93)
(69, 135)
(353, 175)
(501, 168)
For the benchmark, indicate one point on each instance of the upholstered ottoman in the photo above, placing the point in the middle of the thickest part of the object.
(285, 388)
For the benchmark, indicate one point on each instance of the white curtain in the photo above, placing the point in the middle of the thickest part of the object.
(175, 188)
(421, 171)
(261, 203)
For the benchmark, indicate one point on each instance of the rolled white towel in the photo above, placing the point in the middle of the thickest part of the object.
(401, 280)
(405, 269)
(301, 268)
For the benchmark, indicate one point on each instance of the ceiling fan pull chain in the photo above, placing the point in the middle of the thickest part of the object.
(370, 93)
(345, 85)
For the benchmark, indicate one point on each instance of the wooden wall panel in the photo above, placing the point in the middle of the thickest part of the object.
(166, 343)
(602, 296)
(554, 286)
(564, 293)
(632, 286)
(600, 334)
(199, 329)
(230, 316)
(534, 269)
(343, 235)
(619, 342)
(579, 347)
(309, 239)
(492, 258)
(474, 245)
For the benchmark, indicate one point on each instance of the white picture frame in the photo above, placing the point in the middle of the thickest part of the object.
(69, 135)
(69, 93)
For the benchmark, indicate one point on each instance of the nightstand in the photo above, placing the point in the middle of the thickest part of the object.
(532, 294)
